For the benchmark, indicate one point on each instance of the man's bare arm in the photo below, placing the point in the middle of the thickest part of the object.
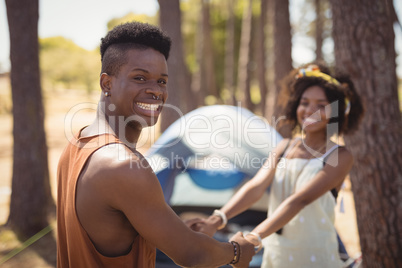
(131, 187)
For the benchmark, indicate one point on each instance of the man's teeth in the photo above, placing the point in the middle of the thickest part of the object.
(147, 106)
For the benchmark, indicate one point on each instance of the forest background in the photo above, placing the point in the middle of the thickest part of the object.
(247, 68)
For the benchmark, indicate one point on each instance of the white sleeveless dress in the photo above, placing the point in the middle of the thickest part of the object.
(309, 239)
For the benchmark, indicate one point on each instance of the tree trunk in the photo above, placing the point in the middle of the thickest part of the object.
(179, 81)
(31, 196)
(208, 51)
(198, 77)
(229, 54)
(243, 73)
(282, 56)
(364, 47)
(318, 30)
(269, 45)
(260, 55)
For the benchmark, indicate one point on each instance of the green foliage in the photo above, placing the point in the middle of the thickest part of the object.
(255, 93)
(65, 64)
(58, 42)
(132, 17)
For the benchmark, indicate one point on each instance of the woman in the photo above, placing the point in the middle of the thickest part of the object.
(304, 173)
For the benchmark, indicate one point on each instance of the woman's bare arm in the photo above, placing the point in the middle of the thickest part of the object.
(325, 180)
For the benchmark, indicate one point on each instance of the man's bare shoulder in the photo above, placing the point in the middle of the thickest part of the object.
(116, 157)
(116, 167)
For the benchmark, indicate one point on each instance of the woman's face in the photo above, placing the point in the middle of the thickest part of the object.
(313, 111)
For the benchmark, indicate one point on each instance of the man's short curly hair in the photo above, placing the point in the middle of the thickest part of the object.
(127, 36)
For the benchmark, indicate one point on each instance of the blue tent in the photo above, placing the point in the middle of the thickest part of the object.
(206, 155)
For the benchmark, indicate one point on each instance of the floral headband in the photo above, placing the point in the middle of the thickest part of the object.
(314, 71)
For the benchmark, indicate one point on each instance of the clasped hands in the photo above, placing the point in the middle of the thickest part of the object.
(249, 244)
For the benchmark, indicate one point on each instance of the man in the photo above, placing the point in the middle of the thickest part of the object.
(110, 205)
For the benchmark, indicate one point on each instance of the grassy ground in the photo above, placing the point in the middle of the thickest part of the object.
(71, 102)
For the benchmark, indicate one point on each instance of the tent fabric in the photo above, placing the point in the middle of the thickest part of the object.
(209, 153)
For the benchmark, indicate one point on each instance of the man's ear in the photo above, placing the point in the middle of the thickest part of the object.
(105, 82)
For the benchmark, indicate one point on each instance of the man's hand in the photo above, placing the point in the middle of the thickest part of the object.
(246, 250)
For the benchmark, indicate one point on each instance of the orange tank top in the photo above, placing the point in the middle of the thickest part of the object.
(74, 247)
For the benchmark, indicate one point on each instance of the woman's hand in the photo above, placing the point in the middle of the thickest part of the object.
(206, 226)
(255, 239)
